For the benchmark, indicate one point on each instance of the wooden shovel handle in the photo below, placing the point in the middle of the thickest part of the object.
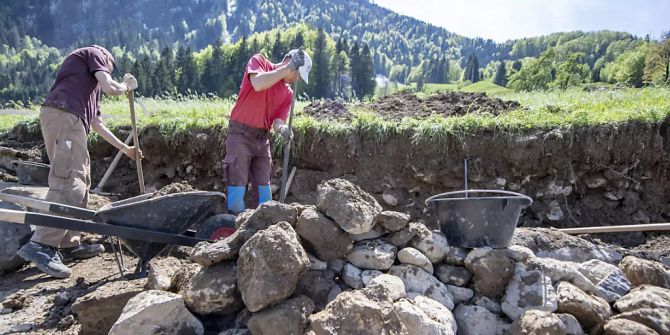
(136, 141)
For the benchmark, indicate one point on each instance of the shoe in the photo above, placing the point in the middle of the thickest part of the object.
(45, 258)
(82, 251)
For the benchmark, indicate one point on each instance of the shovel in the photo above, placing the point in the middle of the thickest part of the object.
(136, 142)
(287, 149)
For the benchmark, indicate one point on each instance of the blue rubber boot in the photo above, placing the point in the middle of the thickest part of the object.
(236, 199)
(264, 194)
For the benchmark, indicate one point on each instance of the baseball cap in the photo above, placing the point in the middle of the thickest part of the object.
(303, 70)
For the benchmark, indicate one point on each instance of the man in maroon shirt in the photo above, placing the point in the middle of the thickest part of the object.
(70, 110)
(263, 103)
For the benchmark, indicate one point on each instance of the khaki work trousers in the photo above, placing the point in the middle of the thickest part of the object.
(70, 174)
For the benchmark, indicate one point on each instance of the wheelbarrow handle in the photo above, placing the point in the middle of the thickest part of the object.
(46, 220)
(46, 206)
(438, 196)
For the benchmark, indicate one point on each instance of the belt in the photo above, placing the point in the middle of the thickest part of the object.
(237, 128)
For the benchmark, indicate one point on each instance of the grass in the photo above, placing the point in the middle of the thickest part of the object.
(540, 110)
(485, 87)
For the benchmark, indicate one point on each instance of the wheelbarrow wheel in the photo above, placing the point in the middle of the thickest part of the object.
(217, 227)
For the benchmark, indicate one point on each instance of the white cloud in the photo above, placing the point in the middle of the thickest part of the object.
(502, 20)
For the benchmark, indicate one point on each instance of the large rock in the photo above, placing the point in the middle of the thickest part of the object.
(183, 276)
(491, 269)
(460, 294)
(657, 319)
(419, 281)
(322, 235)
(519, 253)
(372, 254)
(368, 275)
(156, 312)
(645, 296)
(270, 265)
(561, 271)
(374, 233)
(528, 290)
(647, 305)
(415, 257)
(551, 243)
(98, 310)
(431, 243)
(12, 237)
(161, 272)
(353, 209)
(267, 214)
(475, 320)
(288, 317)
(317, 285)
(627, 327)
(592, 312)
(611, 283)
(390, 286)
(392, 221)
(422, 315)
(641, 271)
(352, 276)
(452, 275)
(354, 312)
(213, 290)
(400, 238)
(534, 322)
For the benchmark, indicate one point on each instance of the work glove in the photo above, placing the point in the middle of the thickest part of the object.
(297, 60)
(130, 81)
(286, 132)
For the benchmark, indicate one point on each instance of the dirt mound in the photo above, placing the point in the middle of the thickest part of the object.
(173, 188)
(328, 110)
(404, 104)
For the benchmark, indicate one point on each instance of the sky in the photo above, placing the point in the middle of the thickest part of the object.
(501, 20)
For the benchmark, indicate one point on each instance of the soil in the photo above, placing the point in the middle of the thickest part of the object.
(328, 110)
(400, 105)
(36, 304)
(403, 104)
(172, 188)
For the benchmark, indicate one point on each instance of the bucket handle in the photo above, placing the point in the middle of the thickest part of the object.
(523, 196)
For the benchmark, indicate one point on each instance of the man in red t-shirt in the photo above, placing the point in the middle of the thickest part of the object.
(69, 112)
(263, 103)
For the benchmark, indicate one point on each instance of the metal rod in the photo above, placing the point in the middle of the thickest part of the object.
(617, 229)
(287, 147)
(116, 256)
(118, 243)
(112, 166)
(465, 180)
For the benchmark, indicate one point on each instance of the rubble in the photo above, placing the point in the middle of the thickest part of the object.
(294, 269)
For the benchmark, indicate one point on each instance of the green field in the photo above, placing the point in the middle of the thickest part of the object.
(540, 110)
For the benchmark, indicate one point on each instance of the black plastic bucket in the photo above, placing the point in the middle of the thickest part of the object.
(32, 173)
(478, 218)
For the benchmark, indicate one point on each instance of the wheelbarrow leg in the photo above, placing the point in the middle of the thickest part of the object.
(119, 262)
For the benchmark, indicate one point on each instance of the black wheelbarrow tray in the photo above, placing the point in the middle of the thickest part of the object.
(144, 225)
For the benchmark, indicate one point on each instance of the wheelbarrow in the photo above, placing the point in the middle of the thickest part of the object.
(145, 225)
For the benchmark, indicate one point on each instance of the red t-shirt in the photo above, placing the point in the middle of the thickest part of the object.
(261, 109)
(76, 89)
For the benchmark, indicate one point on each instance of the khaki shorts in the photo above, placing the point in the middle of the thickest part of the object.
(65, 140)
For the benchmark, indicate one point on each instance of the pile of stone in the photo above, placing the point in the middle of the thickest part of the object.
(345, 266)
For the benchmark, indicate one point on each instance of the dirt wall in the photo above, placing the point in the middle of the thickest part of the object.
(577, 177)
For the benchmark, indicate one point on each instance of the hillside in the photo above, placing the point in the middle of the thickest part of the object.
(155, 24)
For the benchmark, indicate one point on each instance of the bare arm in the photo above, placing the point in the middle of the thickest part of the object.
(265, 80)
(108, 85)
(108, 136)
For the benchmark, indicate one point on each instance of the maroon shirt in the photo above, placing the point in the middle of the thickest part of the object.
(76, 89)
